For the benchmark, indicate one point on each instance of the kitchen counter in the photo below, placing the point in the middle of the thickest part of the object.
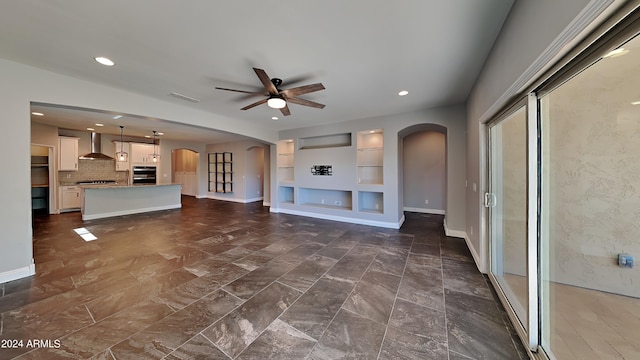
(107, 200)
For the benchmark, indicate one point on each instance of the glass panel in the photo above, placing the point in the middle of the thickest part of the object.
(508, 210)
(591, 211)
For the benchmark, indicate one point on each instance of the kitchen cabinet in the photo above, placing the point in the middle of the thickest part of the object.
(122, 146)
(70, 198)
(140, 153)
(68, 153)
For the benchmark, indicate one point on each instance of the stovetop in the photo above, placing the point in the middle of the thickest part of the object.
(96, 182)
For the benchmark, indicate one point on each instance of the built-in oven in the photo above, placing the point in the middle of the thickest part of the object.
(143, 175)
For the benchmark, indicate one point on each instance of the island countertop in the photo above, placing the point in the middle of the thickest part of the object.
(107, 200)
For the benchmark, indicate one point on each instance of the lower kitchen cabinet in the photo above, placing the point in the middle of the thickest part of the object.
(70, 198)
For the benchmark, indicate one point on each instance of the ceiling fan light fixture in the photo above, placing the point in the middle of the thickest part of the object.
(276, 102)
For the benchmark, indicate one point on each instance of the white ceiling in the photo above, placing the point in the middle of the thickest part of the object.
(364, 52)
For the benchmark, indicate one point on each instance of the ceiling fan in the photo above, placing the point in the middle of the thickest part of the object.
(277, 98)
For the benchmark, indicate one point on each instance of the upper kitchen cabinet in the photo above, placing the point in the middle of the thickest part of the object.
(122, 165)
(141, 153)
(68, 153)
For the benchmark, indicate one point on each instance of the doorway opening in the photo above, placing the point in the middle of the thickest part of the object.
(423, 168)
(184, 170)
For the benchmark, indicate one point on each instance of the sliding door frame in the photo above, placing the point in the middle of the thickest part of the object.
(623, 25)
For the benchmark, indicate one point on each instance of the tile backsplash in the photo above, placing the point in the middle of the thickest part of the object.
(93, 170)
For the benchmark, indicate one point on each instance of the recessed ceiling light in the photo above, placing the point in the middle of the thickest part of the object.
(117, 117)
(105, 61)
(148, 136)
(635, 103)
(290, 141)
(372, 132)
(616, 53)
(403, 93)
(99, 124)
(160, 133)
(91, 129)
(37, 114)
(274, 118)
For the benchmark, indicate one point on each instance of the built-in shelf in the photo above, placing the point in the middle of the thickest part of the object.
(325, 141)
(285, 160)
(40, 184)
(370, 157)
(371, 202)
(285, 195)
(326, 198)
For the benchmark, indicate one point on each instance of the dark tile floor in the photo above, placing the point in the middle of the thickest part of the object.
(217, 280)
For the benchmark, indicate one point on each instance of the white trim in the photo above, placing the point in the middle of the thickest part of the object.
(425, 211)
(242, 201)
(130, 212)
(384, 224)
(17, 273)
(201, 196)
(559, 47)
(266, 203)
(463, 235)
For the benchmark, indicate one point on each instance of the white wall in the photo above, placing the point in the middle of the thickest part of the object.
(535, 32)
(23, 84)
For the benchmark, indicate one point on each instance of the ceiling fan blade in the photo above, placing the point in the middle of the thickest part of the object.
(290, 81)
(305, 103)
(285, 111)
(240, 91)
(300, 90)
(266, 82)
(263, 101)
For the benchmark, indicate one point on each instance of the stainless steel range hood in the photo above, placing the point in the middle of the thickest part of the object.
(95, 150)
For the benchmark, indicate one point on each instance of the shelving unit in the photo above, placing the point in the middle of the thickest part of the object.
(370, 154)
(285, 161)
(40, 184)
(221, 172)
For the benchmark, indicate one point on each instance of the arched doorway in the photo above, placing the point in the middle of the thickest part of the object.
(184, 165)
(422, 156)
(254, 174)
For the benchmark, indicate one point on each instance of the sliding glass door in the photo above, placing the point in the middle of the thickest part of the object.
(591, 211)
(507, 203)
(564, 206)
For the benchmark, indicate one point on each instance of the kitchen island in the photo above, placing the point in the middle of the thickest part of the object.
(101, 201)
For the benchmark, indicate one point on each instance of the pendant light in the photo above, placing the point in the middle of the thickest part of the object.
(155, 157)
(121, 155)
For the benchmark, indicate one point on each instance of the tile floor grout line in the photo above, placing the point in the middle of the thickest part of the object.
(90, 315)
(386, 328)
(212, 343)
(346, 298)
(267, 327)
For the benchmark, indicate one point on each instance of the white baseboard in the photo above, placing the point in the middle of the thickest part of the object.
(266, 203)
(425, 211)
(17, 273)
(242, 201)
(463, 235)
(201, 196)
(384, 224)
(130, 212)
